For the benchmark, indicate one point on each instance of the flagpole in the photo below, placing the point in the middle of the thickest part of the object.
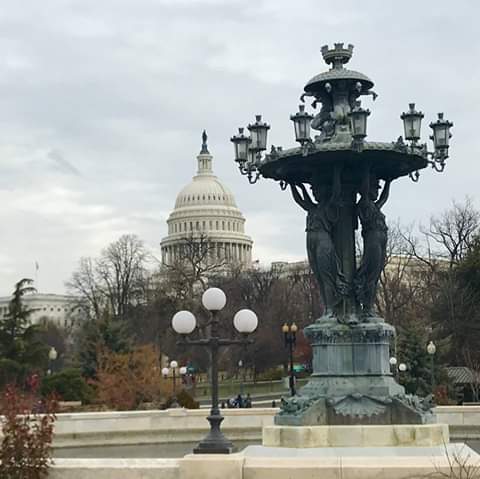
(36, 275)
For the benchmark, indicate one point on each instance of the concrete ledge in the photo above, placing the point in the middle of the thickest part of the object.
(114, 469)
(454, 460)
(258, 462)
(211, 466)
(355, 436)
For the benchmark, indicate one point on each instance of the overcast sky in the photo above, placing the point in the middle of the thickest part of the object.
(102, 105)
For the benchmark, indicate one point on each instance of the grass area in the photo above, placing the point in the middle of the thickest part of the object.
(228, 389)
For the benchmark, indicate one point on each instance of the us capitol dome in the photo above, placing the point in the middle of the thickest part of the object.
(205, 210)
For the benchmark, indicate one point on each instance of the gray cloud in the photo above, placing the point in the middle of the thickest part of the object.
(120, 91)
(62, 164)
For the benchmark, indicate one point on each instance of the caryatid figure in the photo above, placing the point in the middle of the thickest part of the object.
(374, 234)
(322, 216)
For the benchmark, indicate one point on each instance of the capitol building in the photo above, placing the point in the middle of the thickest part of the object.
(205, 211)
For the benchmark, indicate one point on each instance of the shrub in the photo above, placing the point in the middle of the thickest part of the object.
(125, 380)
(11, 372)
(25, 452)
(67, 385)
(185, 400)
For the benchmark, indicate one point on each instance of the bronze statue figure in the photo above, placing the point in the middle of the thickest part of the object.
(322, 216)
(374, 234)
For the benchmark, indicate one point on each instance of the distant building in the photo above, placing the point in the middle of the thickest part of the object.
(63, 310)
(206, 209)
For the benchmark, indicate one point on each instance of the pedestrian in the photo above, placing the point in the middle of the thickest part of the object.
(248, 401)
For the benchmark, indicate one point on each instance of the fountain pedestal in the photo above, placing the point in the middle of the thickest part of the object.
(351, 381)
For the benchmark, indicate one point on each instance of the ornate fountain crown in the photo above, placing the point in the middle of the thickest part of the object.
(338, 55)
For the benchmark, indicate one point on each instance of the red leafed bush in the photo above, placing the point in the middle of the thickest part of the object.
(27, 428)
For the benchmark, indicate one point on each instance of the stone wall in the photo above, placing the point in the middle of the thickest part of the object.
(142, 427)
(463, 421)
(182, 425)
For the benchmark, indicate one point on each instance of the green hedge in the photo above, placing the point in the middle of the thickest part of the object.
(11, 372)
(68, 385)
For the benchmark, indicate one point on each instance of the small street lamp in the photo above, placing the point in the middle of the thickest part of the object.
(402, 367)
(290, 337)
(240, 370)
(166, 372)
(431, 350)
(52, 356)
(393, 365)
(245, 322)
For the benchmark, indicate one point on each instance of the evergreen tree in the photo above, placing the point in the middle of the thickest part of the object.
(100, 335)
(20, 344)
(412, 350)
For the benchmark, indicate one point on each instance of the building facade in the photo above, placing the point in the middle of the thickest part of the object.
(205, 210)
(63, 310)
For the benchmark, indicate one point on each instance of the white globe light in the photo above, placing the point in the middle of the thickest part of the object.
(214, 299)
(183, 370)
(52, 354)
(393, 361)
(402, 367)
(165, 371)
(245, 321)
(173, 364)
(184, 322)
(431, 348)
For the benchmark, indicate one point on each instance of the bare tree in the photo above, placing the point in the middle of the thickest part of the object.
(401, 280)
(113, 282)
(455, 230)
(197, 258)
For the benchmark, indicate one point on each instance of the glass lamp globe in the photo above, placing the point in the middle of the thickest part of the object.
(214, 299)
(184, 322)
(245, 321)
(393, 361)
(52, 354)
(402, 367)
(431, 348)
(165, 371)
(183, 370)
(173, 364)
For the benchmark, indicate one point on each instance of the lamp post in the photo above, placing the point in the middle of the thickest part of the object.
(393, 363)
(52, 356)
(431, 350)
(240, 370)
(290, 338)
(166, 373)
(245, 322)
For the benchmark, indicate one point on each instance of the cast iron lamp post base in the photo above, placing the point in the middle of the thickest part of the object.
(215, 442)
